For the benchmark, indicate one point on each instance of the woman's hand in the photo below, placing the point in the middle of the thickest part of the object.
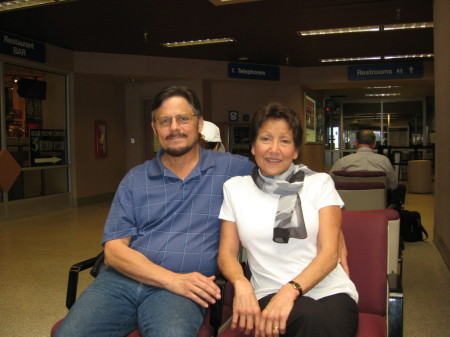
(274, 316)
(246, 311)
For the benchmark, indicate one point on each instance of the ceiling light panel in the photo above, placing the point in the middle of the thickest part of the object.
(384, 94)
(349, 59)
(198, 42)
(346, 30)
(384, 87)
(414, 25)
(229, 2)
(408, 56)
(375, 58)
(21, 4)
(363, 29)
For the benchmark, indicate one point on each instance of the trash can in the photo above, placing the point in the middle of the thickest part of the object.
(419, 176)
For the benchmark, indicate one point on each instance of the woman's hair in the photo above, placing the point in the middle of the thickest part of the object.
(276, 110)
(180, 91)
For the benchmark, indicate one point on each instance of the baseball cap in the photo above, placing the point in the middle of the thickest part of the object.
(211, 133)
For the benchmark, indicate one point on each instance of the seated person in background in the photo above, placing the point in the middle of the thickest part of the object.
(288, 218)
(211, 137)
(366, 160)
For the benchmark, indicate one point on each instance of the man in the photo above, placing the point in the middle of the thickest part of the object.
(161, 235)
(366, 160)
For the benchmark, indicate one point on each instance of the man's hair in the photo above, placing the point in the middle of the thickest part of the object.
(366, 137)
(172, 91)
(275, 110)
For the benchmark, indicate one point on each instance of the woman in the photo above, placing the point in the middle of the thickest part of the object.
(288, 219)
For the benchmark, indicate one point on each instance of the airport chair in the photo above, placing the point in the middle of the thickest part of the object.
(361, 176)
(366, 239)
(213, 318)
(362, 196)
(370, 196)
(395, 199)
(394, 244)
(380, 309)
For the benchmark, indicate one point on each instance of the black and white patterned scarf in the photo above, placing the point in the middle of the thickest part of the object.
(289, 222)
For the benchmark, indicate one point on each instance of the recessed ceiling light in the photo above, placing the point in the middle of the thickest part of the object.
(409, 56)
(384, 94)
(347, 59)
(339, 30)
(362, 29)
(18, 4)
(414, 25)
(197, 42)
(384, 87)
(229, 2)
(390, 57)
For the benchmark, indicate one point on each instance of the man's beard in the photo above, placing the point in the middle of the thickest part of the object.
(179, 152)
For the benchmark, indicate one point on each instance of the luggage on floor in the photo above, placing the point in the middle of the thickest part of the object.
(411, 228)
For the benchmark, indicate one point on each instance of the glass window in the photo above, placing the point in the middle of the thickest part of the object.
(397, 124)
(35, 131)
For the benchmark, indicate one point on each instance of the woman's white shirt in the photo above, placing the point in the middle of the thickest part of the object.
(274, 264)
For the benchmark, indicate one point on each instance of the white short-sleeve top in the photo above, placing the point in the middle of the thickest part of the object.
(274, 264)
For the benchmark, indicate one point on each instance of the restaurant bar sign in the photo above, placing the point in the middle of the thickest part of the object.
(47, 147)
(14, 45)
(253, 72)
(386, 71)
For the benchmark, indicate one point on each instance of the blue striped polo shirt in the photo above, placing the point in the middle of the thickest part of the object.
(174, 222)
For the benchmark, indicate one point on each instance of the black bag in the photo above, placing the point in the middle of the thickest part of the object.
(411, 228)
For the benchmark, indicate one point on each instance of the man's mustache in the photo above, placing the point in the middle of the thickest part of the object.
(174, 135)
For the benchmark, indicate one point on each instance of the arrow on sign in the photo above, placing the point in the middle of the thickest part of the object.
(52, 160)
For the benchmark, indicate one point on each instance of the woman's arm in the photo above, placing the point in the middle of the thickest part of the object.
(277, 311)
(330, 219)
(246, 310)
(131, 263)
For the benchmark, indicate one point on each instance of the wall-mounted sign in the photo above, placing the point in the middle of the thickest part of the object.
(47, 147)
(385, 71)
(14, 45)
(233, 115)
(310, 119)
(253, 71)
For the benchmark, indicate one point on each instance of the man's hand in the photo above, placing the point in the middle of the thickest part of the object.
(199, 288)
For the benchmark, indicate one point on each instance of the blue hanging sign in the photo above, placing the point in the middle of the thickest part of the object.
(385, 71)
(253, 71)
(14, 45)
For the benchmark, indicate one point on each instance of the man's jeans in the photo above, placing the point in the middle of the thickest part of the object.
(114, 305)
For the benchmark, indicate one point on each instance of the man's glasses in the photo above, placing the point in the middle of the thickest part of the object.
(164, 122)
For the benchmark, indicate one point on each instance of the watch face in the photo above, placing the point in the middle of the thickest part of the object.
(297, 286)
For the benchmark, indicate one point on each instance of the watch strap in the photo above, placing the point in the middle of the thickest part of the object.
(297, 286)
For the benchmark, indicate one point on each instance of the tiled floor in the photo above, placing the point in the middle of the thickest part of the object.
(36, 253)
(35, 256)
(426, 278)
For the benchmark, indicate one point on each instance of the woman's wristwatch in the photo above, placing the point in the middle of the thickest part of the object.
(297, 286)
